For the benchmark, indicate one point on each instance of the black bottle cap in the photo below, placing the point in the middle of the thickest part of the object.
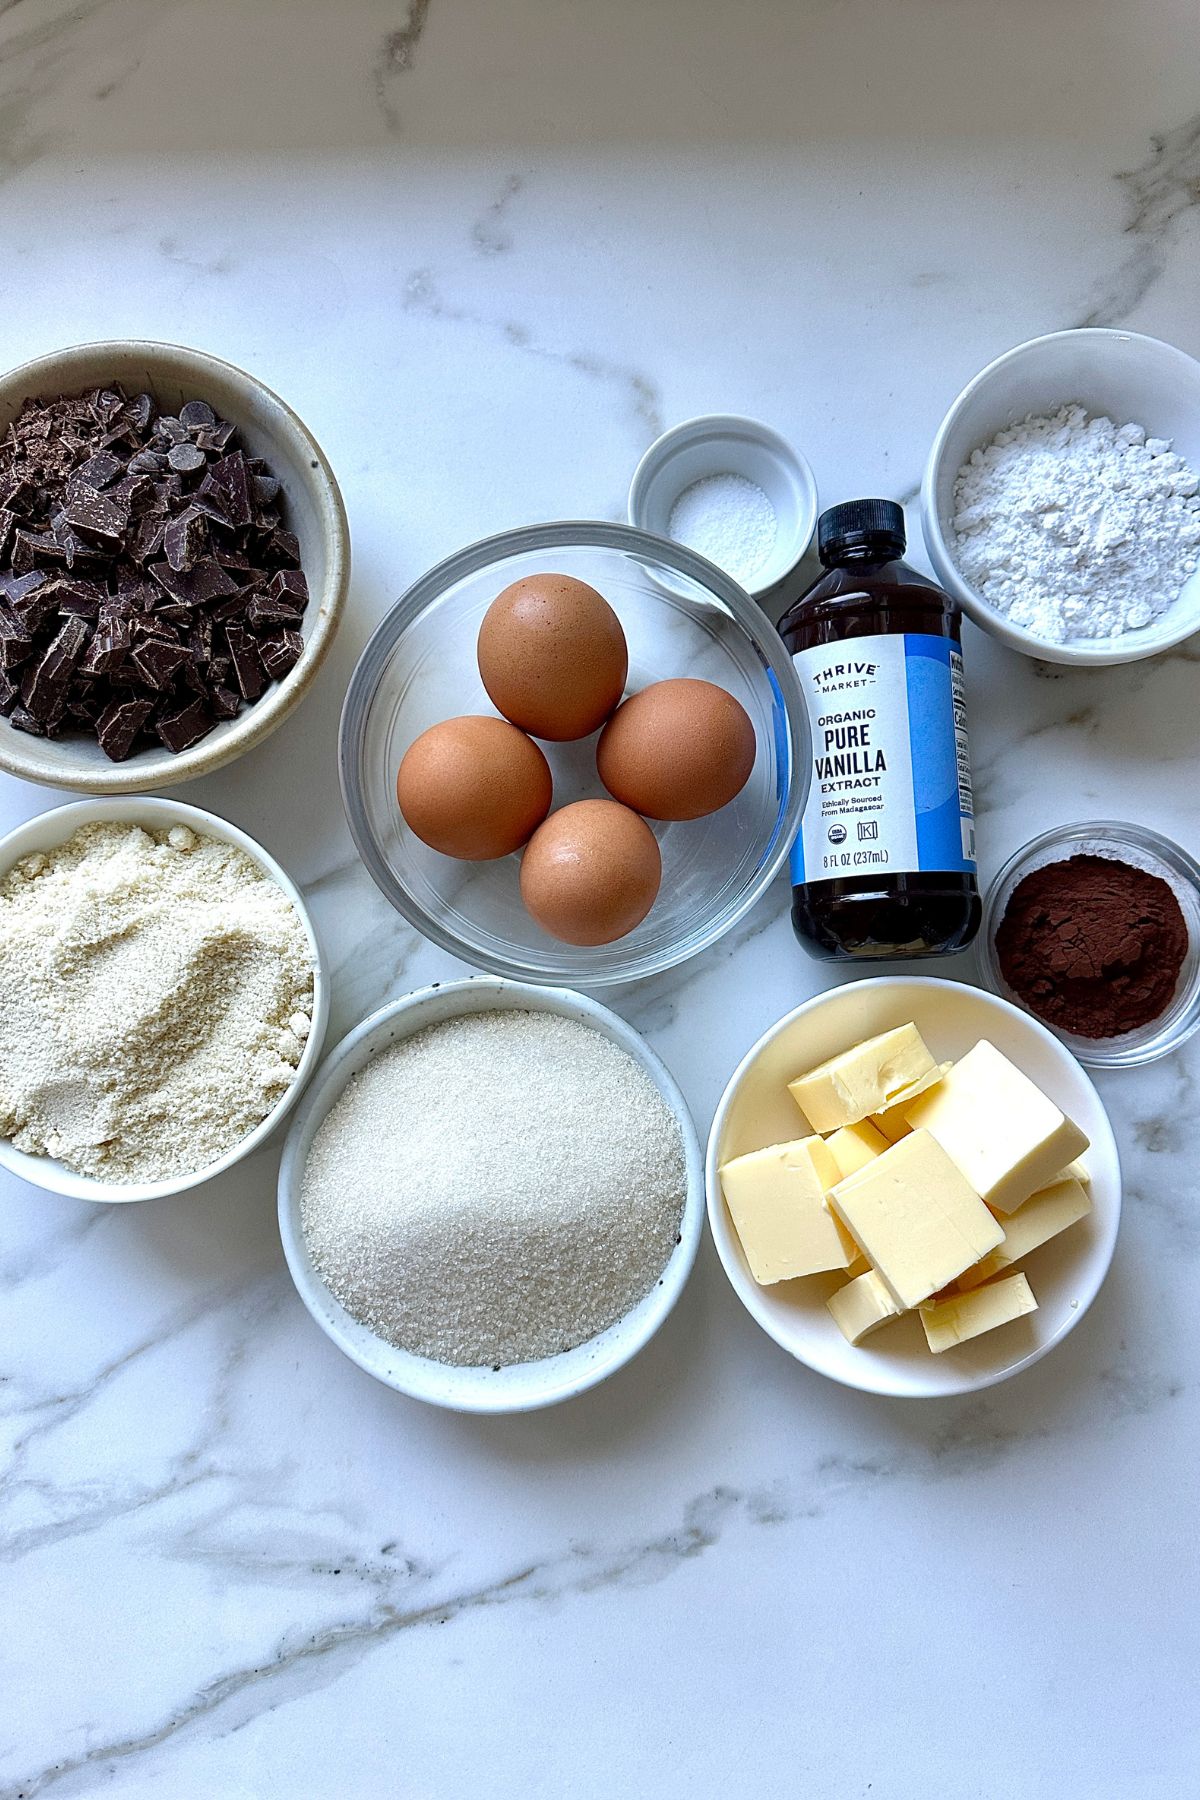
(876, 526)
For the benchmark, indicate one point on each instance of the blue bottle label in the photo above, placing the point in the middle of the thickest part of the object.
(891, 785)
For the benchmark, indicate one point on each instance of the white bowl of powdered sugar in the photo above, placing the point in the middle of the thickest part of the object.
(492, 1195)
(162, 996)
(1061, 500)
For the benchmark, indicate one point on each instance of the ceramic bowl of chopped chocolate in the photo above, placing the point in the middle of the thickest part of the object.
(174, 559)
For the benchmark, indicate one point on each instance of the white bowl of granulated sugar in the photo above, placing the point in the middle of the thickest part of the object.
(163, 998)
(492, 1195)
(1061, 499)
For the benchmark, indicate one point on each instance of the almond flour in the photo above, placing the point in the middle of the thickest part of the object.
(155, 995)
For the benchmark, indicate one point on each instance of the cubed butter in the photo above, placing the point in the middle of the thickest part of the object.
(891, 1122)
(918, 1220)
(1043, 1216)
(1005, 1135)
(861, 1081)
(854, 1146)
(776, 1198)
(951, 1322)
(862, 1306)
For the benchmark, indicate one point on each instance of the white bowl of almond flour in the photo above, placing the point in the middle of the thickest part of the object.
(1061, 500)
(162, 1001)
(491, 1196)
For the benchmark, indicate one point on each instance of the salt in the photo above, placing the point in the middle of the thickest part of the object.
(728, 519)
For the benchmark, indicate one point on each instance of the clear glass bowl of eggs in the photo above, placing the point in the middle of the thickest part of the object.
(574, 754)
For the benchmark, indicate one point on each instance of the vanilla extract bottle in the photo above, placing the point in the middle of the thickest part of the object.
(884, 863)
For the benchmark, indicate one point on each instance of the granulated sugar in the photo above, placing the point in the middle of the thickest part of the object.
(495, 1189)
(155, 995)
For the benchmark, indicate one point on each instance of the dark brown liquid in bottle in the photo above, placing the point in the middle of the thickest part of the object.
(884, 914)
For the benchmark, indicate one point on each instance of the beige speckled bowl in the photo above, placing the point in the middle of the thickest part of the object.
(315, 512)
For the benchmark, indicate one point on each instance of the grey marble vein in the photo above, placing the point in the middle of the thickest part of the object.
(396, 58)
(959, 1440)
(641, 394)
(35, 58)
(1158, 193)
(490, 235)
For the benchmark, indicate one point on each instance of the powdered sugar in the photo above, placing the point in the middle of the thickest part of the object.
(1075, 527)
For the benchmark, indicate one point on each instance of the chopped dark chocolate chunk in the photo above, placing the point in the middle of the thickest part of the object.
(265, 612)
(44, 684)
(21, 719)
(185, 538)
(107, 650)
(147, 462)
(205, 580)
(266, 489)
(148, 587)
(289, 585)
(247, 664)
(280, 653)
(120, 724)
(156, 661)
(180, 730)
(16, 643)
(231, 480)
(100, 470)
(95, 514)
(139, 411)
(169, 430)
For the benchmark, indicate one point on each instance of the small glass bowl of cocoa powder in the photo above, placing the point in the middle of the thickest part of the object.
(1095, 930)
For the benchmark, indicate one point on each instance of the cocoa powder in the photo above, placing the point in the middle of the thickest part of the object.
(1093, 945)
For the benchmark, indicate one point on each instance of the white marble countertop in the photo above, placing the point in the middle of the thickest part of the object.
(488, 248)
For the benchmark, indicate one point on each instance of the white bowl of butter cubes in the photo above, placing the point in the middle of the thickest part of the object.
(913, 1187)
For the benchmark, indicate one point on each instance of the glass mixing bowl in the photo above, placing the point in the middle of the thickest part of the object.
(682, 616)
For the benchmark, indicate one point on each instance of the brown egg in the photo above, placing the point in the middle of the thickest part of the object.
(553, 656)
(591, 872)
(474, 788)
(678, 750)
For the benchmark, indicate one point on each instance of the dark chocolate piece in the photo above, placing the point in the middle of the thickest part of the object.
(16, 643)
(101, 470)
(185, 459)
(44, 685)
(289, 585)
(225, 703)
(264, 613)
(156, 662)
(180, 730)
(95, 514)
(185, 538)
(120, 725)
(206, 580)
(197, 412)
(247, 664)
(280, 653)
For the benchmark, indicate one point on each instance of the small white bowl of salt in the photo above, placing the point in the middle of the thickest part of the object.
(731, 489)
